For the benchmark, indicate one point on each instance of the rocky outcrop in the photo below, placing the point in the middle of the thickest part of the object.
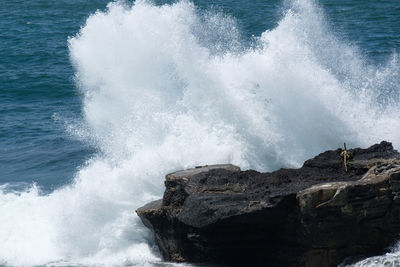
(313, 216)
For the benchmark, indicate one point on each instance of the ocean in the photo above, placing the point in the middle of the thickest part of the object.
(99, 100)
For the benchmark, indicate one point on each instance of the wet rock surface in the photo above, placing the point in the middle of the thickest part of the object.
(317, 215)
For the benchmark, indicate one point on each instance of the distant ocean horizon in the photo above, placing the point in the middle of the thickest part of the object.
(99, 100)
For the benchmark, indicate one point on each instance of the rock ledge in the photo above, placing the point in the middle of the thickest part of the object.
(317, 215)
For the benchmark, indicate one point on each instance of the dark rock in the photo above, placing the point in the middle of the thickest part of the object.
(313, 216)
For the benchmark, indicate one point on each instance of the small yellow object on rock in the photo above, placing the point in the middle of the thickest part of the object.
(346, 156)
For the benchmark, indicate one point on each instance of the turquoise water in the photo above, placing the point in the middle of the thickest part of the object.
(37, 88)
(94, 112)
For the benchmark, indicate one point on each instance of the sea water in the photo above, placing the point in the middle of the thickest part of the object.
(98, 101)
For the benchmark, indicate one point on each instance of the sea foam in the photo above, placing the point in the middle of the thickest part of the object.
(166, 88)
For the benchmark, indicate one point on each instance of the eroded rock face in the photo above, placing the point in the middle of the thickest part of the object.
(313, 216)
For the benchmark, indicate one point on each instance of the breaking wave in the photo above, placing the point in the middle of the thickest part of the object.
(168, 87)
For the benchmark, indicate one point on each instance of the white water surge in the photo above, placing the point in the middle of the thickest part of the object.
(165, 88)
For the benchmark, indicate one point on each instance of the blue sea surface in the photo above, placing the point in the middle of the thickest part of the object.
(37, 91)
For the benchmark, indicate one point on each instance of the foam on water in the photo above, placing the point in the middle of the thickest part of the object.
(391, 259)
(165, 88)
